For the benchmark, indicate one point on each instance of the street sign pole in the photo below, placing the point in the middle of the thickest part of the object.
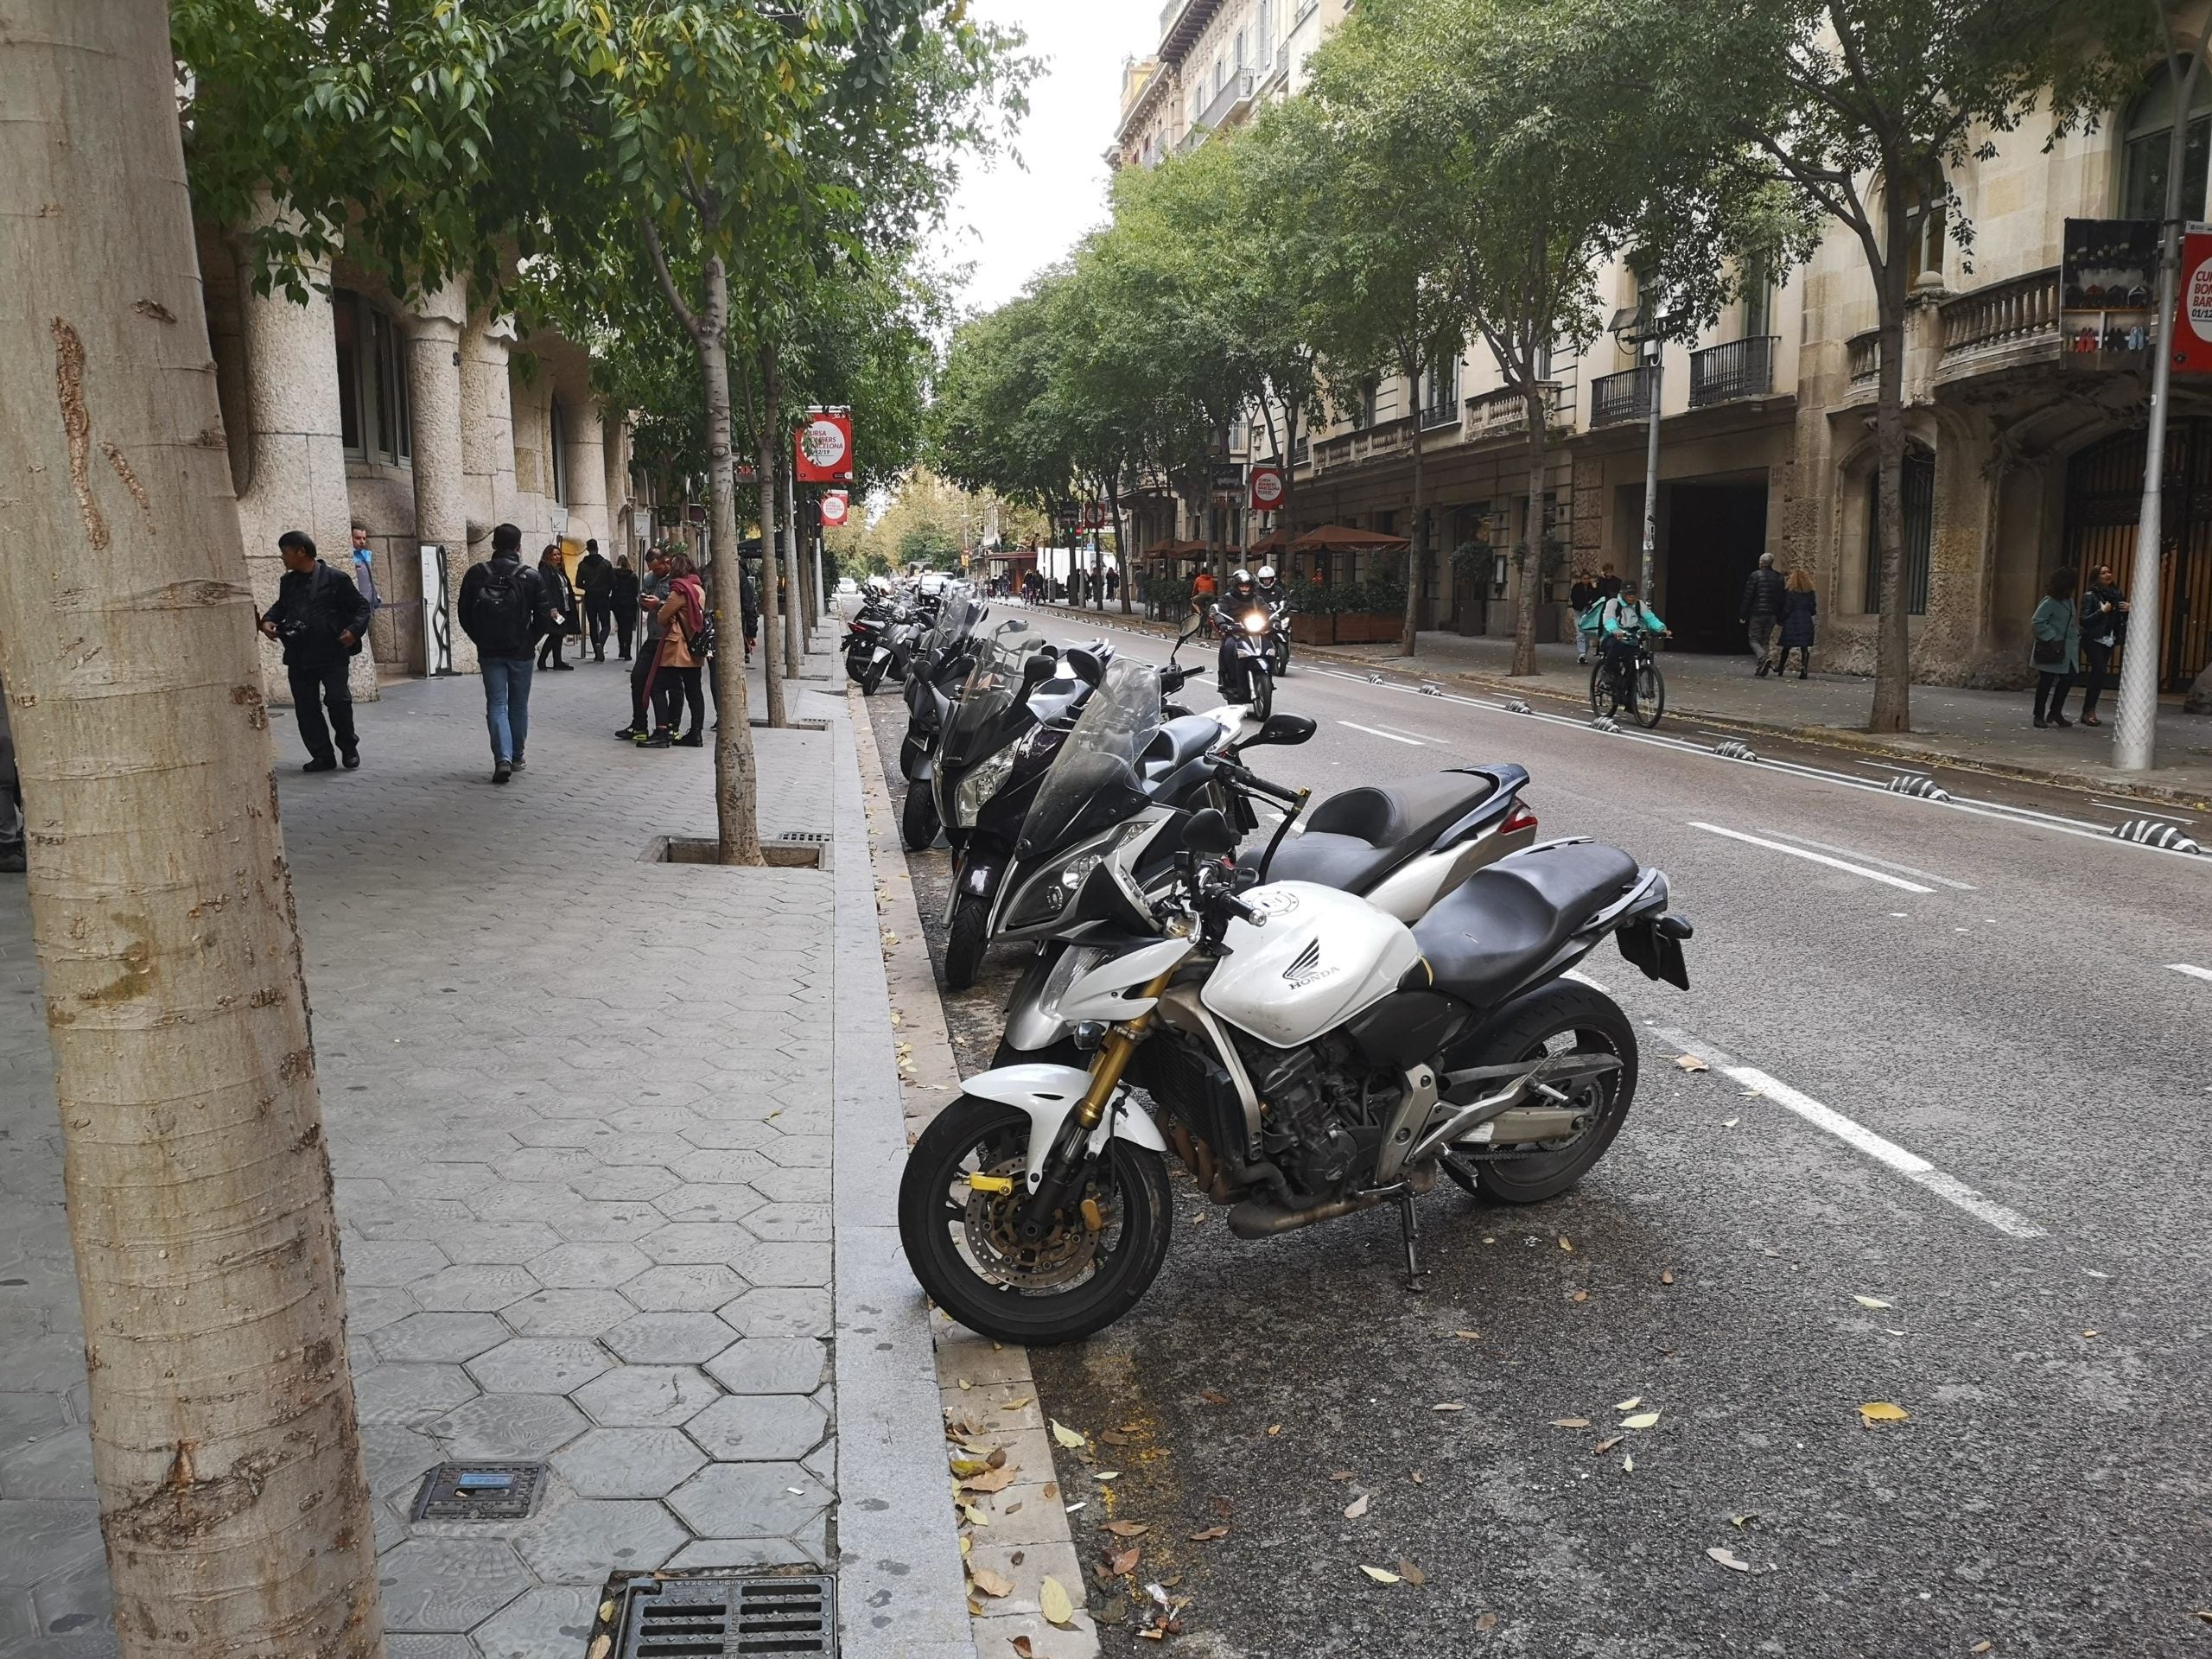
(1651, 467)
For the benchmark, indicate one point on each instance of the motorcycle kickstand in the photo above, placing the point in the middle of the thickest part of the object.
(1409, 1228)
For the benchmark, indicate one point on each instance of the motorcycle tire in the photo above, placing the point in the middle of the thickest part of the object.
(1261, 684)
(1563, 1016)
(964, 941)
(1077, 1282)
(871, 679)
(855, 667)
(1279, 657)
(917, 819)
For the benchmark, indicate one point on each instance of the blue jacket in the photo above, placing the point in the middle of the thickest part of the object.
(1612, 610)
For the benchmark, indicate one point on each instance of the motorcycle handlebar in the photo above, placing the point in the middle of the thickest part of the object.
(1250, 781)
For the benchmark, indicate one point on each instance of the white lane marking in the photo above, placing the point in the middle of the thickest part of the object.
(1869, 858)
(1851, 1133)
(2142, 809)
(1814, 858)
(1376, 731)
(2191, 970)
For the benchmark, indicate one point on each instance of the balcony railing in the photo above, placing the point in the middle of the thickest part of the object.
(1863, 353)
(1347, 448)
(1236, 91)
(1504, 411)
(1445, 413)
(1623, 397)
(2022, 307)
(1741, 368)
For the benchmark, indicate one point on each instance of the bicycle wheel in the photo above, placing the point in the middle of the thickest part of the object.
(1600, 700)
(1651, 695)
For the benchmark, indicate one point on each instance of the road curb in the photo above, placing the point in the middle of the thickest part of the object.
(985, 1386)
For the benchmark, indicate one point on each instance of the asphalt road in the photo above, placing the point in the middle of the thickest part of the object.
(1945, 1156)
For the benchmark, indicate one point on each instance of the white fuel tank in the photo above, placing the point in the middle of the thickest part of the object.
(1322, 956)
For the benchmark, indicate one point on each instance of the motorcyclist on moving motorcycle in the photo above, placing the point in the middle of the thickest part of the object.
(1242, 598)
(1271, 592)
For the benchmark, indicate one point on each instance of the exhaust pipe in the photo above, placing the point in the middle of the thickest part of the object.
(1257, 1219)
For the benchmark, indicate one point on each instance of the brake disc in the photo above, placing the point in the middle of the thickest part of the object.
(1060, 1257)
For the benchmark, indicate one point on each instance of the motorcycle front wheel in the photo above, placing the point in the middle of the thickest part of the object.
(1563, 1017)
(1103, 1252)
(1261, 684)
(964, 941)
(917, 819)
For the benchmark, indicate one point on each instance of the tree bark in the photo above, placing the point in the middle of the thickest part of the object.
(1120, 537)
(770, 436)
(1892, 710)
(1531, 558)
(794, 606)
(737, 788)
(233, 1502)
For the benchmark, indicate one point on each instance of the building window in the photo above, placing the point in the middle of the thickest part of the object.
(374, 420)
(1439, 392)
(1924, 226)
(1266, 32)
(557, 461)
(1198, 101)
(1919, 532)
(1220, 71)
(1243, 48)
(1363, 404)
(1758, 297)
(2143, 139)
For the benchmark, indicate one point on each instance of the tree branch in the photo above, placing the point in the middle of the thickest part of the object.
(684, 315)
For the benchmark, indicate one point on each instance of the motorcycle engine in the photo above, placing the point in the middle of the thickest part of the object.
(1303, 1132)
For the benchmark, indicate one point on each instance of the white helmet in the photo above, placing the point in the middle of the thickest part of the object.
(1266, 573)
(1240, 578)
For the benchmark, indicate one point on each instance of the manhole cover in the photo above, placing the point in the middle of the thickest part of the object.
(715, 1618)
(479, 1492)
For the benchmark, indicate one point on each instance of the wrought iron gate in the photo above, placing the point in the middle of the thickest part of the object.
(2104, 501)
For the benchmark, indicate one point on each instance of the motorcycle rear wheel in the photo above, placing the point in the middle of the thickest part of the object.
(1564, 1016)
(917, 819)
(964, 941)
(871, 678)
(1076, 1281)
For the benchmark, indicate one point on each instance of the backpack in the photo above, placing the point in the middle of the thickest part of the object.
(503, 611)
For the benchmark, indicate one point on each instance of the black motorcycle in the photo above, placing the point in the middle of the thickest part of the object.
(933, 687)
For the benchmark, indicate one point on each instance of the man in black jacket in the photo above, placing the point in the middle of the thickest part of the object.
(504, 609)
(595, 581)
(1762, 608)
(321, 619)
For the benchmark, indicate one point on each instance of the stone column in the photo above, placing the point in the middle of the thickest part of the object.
(434, 337)
(587, 468)
(297, 479)
(488, 431)
(614, 449)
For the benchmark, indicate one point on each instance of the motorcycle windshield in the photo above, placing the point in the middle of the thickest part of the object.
(1093, 783)
(958, 621)
(992, 690)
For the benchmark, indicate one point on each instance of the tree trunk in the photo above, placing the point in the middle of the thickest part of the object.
(771, 428)
(794, 606)
(737, 821)
(1892, 710)
(1121, 537)
(1531, 558)
(1417, 543)
(232, 1499)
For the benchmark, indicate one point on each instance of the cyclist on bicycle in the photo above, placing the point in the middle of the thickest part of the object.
(1621, 621)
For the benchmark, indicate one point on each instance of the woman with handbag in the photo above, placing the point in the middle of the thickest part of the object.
(683, 647)
(2057, 630)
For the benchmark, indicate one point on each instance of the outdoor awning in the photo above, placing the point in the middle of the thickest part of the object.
(1343, 539)
(1176, 550)
(1270, 546)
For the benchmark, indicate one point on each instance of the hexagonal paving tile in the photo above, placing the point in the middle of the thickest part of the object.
(508, 1426)
(478, 1289)
(434, 1337)
(726, 1135)
(397, 1456)
(47, 1534)
(632, 1181)
(669, 1338)
(631, 1462)
(780, 1311)
(568, 1312)
(647, 1396)
(784, 1264)
(694, 1241)
(509, 1243)
(539, 1365)
(612, 1220)
(749, 1500)
(790, 1223)
(582, 1267)
(770, 1365)
(550, 1619)
(735, 1167)
(410, 1394)
(25, 1416)
(685, 1287)
(57, 1466)
(757, 1428)
(390, 1260)
(582, 1542)
(77, 1602)
(448, 1585)
(708, 1201)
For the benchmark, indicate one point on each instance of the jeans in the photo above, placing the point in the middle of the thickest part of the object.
(2094, 683)
(626, 623)
(313, 686)
(2051, 688)
(506, 704)
(600, 614)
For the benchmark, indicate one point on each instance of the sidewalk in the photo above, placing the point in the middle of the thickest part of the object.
(1988, 731)
(590, 1167)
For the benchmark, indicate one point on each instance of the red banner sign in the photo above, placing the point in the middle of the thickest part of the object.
(825, 447)
(836, 507)
(2193, 325)
(1266, 488)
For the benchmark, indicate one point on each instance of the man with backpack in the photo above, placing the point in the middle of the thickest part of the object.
(504, 608)
(320, 618)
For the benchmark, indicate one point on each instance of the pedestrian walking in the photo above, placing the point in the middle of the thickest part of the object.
(364, 573)
(622, 600)
(1761, 609)
(562, 600)
(504, 609)
(684, 650)
(1800, 608)
(1583, 599)
(2104, 630)
(2057, 651)
(748, 598)
(321, 618)
(651, 595)
(1608, 585)
(595, 581)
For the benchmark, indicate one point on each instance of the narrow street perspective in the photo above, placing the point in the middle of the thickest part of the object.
(987, 829)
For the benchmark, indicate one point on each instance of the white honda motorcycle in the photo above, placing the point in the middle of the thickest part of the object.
(1305, 1054)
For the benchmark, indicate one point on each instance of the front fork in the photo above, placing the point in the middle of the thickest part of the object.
(1068, 1163)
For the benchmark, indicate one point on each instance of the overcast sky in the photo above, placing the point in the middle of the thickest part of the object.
(1013, 221)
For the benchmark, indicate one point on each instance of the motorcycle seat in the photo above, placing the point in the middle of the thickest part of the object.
(1353, 839)
(1178, 743)
(1502, 922)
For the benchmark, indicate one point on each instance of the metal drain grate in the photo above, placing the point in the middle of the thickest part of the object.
(479, 1492)
(721, 1618)
(818, 836)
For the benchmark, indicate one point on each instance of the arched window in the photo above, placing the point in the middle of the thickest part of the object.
(1926, 216)
(2144, 141)
(557, 436)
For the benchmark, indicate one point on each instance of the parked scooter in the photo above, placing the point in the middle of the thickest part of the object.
(933, 687)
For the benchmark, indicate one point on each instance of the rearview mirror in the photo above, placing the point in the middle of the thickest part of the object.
(1287, 730)
(1208, 833)
(1087, 667)
(1036, 670)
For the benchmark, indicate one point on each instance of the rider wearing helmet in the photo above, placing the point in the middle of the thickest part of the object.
(1270, 590)
(1243, 597)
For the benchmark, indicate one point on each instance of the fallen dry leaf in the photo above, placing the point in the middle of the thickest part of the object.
(1448, 1405)
(1982, 1646)
(1691, 1063)
(1743, 1520)
(1570, 1423)
(992, 1480)
(1339, 1474)
(1731, 1123)
(1052, 1602)
(1411, 1574)
(602, 1645)
(1213, 1397)
(1628, 1404)
(1208, 1534)
(974, 1516)
(1128, 1528)
(1356, 1507)
(1642, 1420)
(1606, 1445)
(1106, 1474)
(1628, 1465)
(1870, 1301)
(1124, 1561)
(1380, 1574)
(1727, 1559)
(1113, 1437)
(1016, 1405)
(1052, 1489)
(1021, 1647)
(1274, 1428)
(1067, 1436)
(1414, 1478)
(1881, 1411)
(1468, 1335)
(1567, 1244)
(991, 1584)
(966, 1466)
(1486, 1623)
(1666, 1276)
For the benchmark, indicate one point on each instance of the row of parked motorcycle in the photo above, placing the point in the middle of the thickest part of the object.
(1314, 1018)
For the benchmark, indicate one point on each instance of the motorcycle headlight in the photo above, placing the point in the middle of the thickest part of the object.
(980, 785)
(1255, 622)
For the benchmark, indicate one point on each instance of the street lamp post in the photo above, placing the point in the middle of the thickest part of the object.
(1636, 326)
